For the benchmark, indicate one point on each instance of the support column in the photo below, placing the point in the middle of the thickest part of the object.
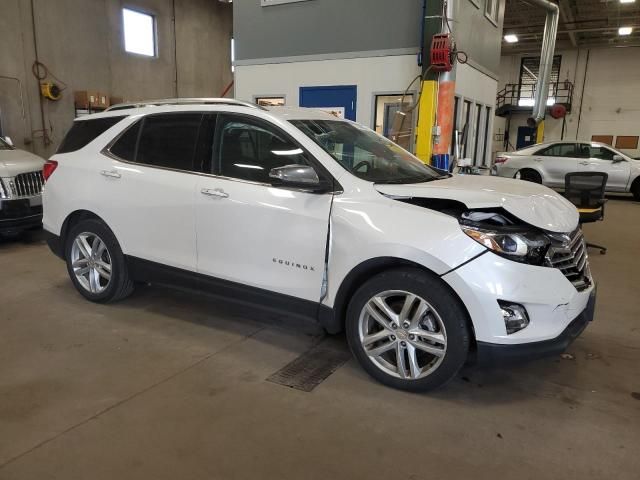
(426, 120)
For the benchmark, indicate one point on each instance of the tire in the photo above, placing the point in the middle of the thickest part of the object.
(635, 190)
(435, 312)
(104, 278)
(529, 175)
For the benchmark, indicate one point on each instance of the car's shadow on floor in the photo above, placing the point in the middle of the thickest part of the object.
(474, 383)
(28, 237)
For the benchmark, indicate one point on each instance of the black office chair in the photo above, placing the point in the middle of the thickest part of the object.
(586, 191)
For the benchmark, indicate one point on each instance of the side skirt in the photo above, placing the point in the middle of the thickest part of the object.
(142, 270)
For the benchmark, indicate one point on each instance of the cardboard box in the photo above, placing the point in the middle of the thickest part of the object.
(103, 100)
(85, 98)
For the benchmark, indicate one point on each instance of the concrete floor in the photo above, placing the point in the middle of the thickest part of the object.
(169, 385)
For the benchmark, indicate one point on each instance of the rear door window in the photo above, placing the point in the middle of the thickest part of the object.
(169, 140)
(559, 150)
(163, 140)
(84, 132)
(125, 147)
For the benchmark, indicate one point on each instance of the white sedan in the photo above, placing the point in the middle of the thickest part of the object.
(548, 163)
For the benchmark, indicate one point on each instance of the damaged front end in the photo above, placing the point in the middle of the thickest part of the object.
(495, 229)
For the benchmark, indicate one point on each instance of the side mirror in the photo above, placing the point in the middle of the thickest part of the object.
(618, 158)
(9, 141)
(301, 176)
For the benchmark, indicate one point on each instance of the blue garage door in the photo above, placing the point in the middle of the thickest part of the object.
(342, 98)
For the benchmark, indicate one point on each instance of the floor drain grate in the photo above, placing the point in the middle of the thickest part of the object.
(311, 368)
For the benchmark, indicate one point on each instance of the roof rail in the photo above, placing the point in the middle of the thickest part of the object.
(183, 101)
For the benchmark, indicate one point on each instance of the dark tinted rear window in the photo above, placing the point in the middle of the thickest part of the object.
(169, 140)
(125, 146)
(84, 131)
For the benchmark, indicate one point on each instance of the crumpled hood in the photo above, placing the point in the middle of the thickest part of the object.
(14, 162)
(532, 203)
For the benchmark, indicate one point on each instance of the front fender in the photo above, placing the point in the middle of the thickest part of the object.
(379, 227)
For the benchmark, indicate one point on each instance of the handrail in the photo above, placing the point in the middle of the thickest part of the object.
(512, 93)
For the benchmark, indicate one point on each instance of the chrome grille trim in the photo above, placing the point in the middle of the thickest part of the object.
(568, 253)
(4, 191)
(26, 184)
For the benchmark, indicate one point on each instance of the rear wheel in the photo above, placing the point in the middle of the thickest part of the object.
(408, 330)
(528, 175)
(95, 262)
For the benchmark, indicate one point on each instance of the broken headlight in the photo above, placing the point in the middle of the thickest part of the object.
(521, 246)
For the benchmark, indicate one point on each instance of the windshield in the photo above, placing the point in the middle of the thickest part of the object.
(366, 154)
(4, 145)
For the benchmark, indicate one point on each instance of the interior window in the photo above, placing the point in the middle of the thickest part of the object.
(248, 150)
(595, 151)
(559, 150)
(169, 140)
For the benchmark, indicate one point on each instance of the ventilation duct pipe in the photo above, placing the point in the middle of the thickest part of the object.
(546, 59)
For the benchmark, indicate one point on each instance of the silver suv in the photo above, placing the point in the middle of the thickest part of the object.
(20, 189)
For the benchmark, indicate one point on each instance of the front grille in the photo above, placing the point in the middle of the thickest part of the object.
(27, 184)
(4, 192)
(568, 253)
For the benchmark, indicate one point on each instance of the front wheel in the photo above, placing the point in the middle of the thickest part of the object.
(95, 262)
(635, 190)
(408, 330)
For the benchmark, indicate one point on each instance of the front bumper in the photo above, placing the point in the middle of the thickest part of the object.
(496, 353)
(20, 214)
(550, 299)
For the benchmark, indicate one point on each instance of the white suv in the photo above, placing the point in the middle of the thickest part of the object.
(297, 211)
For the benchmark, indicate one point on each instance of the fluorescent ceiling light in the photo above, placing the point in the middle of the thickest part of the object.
(627, 1)
(625, 31)
(511, 38)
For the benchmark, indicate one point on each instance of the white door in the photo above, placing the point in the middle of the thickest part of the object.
(556, 161)
(151, 189)
(596, 158)
(251, 232)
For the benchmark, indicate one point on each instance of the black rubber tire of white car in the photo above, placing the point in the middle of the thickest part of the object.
(435, 292)
(635, 190)
(120, 285)
(529, 175)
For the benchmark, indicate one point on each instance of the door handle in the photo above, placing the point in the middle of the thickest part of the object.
(110, 174)
(583, 163)
(217, 192)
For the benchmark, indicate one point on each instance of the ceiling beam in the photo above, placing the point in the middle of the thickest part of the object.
(566, 13)
(612, 29)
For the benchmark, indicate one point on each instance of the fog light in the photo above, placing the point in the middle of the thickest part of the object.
(514, 315)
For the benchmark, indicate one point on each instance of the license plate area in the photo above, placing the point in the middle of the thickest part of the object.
(16, 208)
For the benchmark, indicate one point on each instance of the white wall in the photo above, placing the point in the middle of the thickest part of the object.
(481, 90)
(372, 75)
(611, 102)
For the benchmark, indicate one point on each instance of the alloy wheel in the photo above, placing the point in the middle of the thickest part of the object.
(402, 334)
(91, 262)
